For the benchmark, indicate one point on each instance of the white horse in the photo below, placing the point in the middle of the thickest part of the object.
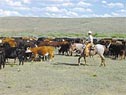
(98, 49)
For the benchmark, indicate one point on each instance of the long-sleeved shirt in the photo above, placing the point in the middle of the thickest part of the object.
(90, 38)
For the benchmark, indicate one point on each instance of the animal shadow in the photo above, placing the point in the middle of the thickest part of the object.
(70, 64)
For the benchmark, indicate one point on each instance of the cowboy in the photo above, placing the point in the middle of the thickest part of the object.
(90, 44)
(90, 37)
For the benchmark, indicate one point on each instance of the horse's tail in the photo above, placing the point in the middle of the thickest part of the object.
(107, 48)
(108, 45)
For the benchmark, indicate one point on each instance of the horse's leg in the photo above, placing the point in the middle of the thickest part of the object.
(102, 60)
(0, 65)
(6, 60)
(3, 64)
(71, 53)
(85, 60)
(14, 60)
(19, 62)
(79, 60)
(23, 62)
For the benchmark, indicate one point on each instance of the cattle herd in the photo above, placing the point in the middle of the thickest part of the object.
(43, 49)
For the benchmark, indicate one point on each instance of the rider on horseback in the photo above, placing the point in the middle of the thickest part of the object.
(90, 44)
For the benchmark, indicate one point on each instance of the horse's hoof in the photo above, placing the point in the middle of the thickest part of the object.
(86, 64)
(100, 65)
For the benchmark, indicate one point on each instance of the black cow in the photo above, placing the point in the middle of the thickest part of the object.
(116, 50)
(14, 53)
(21, 55)
(2, 58)
(64, 49)
(11, 53)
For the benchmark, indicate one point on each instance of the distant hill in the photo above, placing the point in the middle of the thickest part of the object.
(35, 26)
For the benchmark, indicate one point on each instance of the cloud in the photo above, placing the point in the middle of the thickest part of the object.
(56, 0)
(83, 4)
(72, 14)
(9, 13)
(119, 5)
(16, 5)
(62, 8)
(13, 3)
(113, 5)
(104, 2)
(52, 9)
(115, 14)
(67, 14)
(26, 1)
(122, 10)
(104, 15)
(80, 9)
(23, 8)
(67, 4)
(119, 13)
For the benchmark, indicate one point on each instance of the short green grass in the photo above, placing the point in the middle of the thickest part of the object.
(62, 34)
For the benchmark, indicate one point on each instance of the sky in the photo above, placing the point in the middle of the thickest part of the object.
(63, 8)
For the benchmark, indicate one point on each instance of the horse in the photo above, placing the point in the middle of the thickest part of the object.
(98, 49)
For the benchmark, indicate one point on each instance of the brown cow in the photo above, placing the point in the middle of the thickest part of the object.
(10, 41)
(51, 43)
(42, 51)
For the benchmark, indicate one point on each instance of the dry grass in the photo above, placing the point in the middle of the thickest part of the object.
(60, 27)
(62, 76)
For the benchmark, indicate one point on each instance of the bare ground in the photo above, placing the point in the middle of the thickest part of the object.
(63, 76)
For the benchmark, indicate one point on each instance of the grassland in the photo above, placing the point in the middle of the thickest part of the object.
(62, 27)
(63, 76)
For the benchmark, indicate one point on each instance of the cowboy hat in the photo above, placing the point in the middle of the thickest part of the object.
(89, 32)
